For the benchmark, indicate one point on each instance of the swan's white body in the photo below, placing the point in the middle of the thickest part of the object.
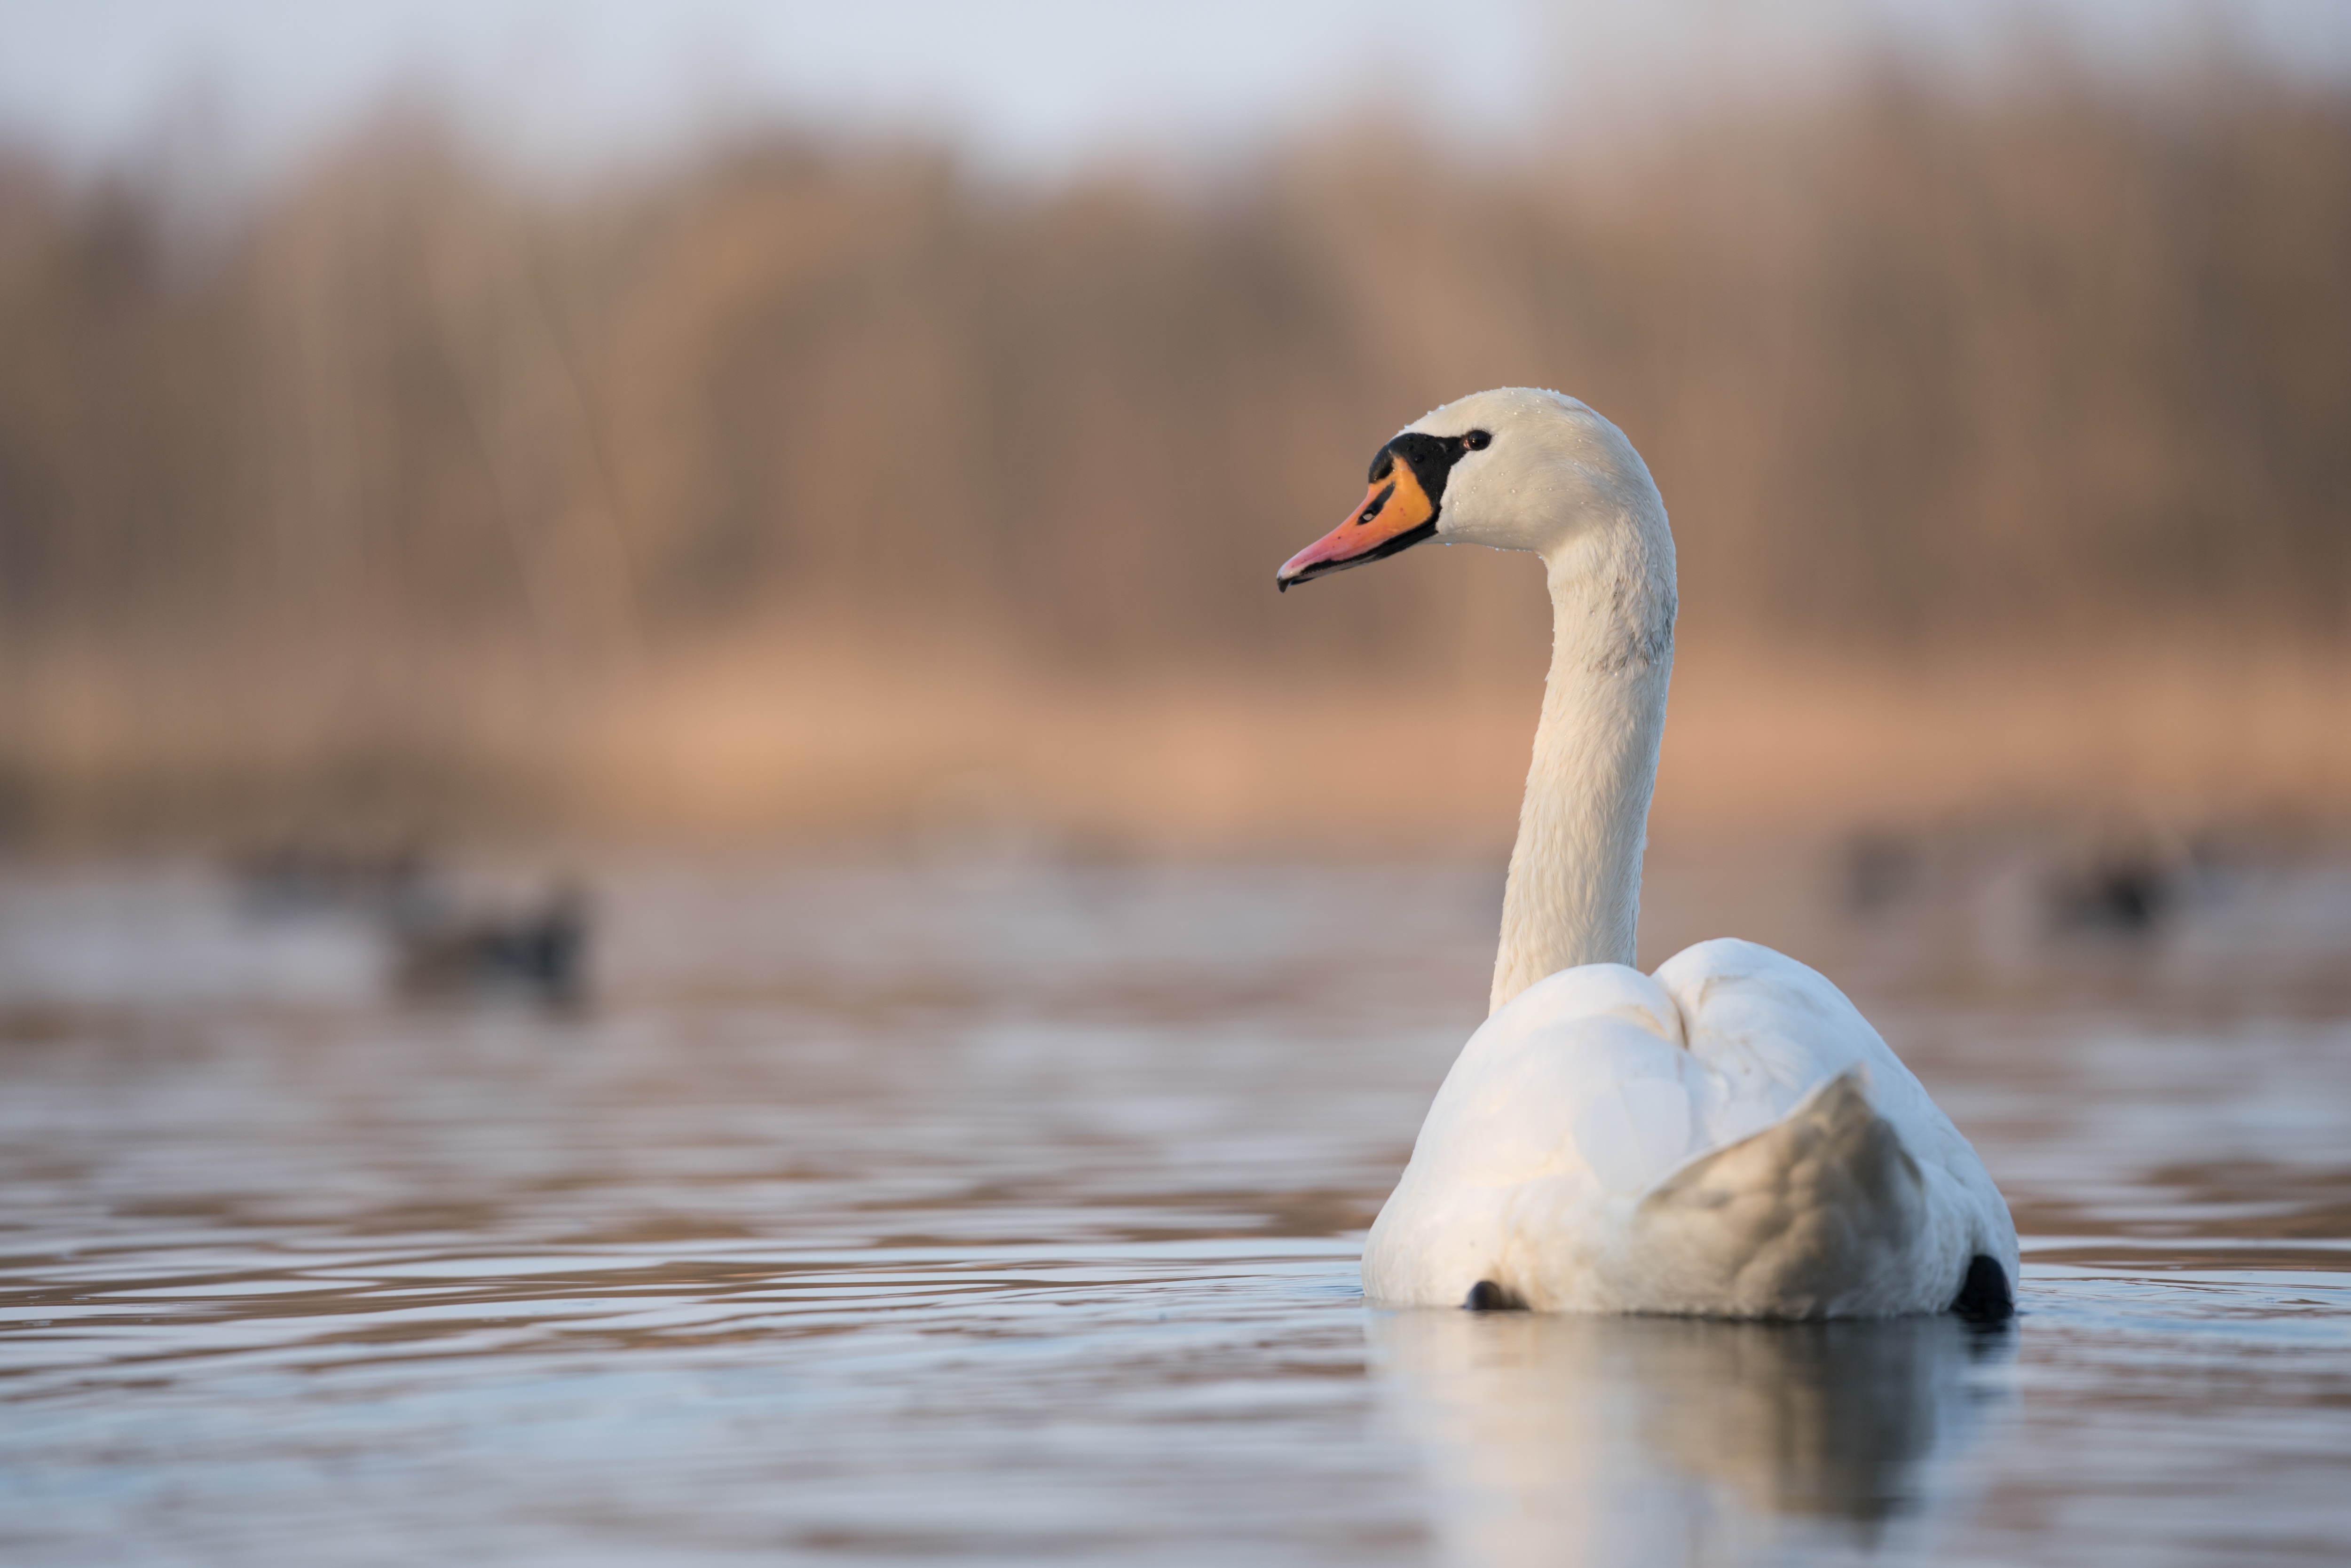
(1727, 1137)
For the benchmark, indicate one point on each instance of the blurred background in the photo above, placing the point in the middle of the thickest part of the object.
(721, 420)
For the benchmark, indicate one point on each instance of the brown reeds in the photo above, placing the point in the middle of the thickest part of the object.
(804, 485)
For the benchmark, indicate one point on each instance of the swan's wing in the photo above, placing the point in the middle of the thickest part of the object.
(1607, 1071)
(1716, 1135)
(1823, 1213)
(1582, 1071)
(1771, 1031)
(1582, 1083)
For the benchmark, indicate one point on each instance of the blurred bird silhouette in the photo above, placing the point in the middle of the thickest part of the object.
(2126, 887)
(539, 950)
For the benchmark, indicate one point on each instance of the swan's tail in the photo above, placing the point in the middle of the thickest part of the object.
(1823, 1214)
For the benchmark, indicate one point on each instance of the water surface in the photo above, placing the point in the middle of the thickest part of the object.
(1010, 1214)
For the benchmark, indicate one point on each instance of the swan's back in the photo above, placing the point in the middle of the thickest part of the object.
(1729, 1136)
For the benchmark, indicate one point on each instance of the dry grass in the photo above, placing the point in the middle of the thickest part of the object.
(777, 741)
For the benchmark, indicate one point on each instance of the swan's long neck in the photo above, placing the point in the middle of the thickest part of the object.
(1575, 891)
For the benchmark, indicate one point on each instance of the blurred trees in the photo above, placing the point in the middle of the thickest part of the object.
(2061, 365)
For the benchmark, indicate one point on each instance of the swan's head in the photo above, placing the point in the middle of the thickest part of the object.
(1514, 468)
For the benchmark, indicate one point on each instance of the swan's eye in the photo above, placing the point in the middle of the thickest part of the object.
(1478, 441)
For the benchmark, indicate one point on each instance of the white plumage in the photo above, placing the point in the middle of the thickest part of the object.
(1727, 1137)
(1730, 1138)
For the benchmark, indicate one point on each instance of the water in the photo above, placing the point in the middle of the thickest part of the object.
(1011, 1215)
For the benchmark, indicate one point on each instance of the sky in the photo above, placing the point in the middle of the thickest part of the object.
(1027, 87)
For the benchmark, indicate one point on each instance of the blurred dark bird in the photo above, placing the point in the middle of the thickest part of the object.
(540, 951)
(2127, 889)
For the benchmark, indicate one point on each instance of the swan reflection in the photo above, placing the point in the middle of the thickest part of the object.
(1563, 1439)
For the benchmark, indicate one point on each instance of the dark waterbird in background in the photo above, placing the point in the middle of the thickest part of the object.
(443, 942)
(2074, 878)
(2123, 887)
(539, 950)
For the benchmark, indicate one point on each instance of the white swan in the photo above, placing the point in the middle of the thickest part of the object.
(1727, 1137)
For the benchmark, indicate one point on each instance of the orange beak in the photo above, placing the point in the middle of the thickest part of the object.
(1395, 514)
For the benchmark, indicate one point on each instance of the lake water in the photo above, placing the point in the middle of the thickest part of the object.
(973, 1213)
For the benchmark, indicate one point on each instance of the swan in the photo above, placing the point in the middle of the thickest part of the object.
(1727, 1137)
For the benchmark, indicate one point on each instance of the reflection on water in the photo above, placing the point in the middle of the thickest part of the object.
(1010, 1214)
(1568, 1440)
